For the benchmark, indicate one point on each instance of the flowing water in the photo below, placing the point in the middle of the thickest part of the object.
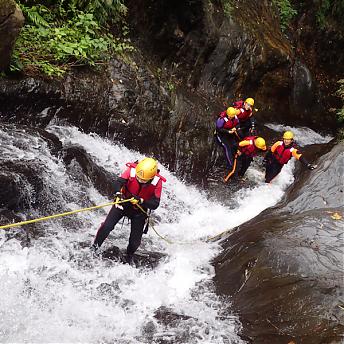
(54, 290)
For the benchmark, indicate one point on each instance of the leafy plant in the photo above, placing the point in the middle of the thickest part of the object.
(227, 7)
(328, 10)
(59, 37)
(340, 112)
(340, 93)
(286, 12)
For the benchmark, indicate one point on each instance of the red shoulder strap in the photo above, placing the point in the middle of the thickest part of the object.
(130, 164)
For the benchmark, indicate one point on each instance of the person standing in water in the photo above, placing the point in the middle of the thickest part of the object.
(141, 183)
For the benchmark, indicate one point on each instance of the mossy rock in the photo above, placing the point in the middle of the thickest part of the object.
(7, 7)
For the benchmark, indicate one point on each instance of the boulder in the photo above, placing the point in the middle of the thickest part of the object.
(11, 21)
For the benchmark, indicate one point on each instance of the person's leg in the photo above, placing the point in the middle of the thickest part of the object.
(245, 164)
(108, 225)
(273, 168)
(229, 148)
(137, 224)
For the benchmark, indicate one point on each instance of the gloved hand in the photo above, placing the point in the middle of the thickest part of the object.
(136, 200)
(118, 196)
(253, 131)
(311, 166)
(231, 131)
(118, 199)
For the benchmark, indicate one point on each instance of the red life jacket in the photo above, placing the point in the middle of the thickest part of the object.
(145, 191)
(244, 115)
(251, 150)
(282, 153)
(230, 123)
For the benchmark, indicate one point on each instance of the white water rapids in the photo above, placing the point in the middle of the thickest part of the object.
(55, 291)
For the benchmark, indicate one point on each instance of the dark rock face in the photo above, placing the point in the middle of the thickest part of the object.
(101, 178)
(196, 61)
(11, 21)
(125, 103)
(244, 54)
(284, 269)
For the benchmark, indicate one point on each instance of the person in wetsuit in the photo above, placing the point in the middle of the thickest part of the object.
(142, 183)
(228, 134)
(279, 155)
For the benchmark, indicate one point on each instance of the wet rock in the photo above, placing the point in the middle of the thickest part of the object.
(140, 258)
(167, 316)
(22, 175)
(283, 269)
(11, 21)
(102, 179)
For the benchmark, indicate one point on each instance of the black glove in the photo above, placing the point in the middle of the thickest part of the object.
(118, 196)
(311, 166)
(136, 200)
(253, 131)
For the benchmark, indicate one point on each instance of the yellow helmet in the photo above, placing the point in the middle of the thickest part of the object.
(146, 169)
(250, 101)
(231, 112)
(288, 135)
(260, 143)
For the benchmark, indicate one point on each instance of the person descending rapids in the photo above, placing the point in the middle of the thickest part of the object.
(245, 116)
(279, 155)
(228, 134)
(248, 148)
(142, 183)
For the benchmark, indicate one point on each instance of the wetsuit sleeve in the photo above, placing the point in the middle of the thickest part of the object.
(302, 160)
(244, 143)
(121, 180)
(274, 146)
(220, 123)
(297, 155)
(119, 183)
(154, 201)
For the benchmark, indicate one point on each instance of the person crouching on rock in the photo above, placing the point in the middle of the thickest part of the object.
(142, 184)
(279, 155)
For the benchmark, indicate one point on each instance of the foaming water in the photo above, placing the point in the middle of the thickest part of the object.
(55, 291)
(303, 135)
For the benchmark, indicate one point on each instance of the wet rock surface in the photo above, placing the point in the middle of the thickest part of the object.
(284, 269)
(11, 21)
(141, 259)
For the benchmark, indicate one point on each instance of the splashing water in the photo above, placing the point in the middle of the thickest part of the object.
(54, 291)
(303, 136)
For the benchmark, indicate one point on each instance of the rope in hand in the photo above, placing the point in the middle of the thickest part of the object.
(64, 214)
(22, 223)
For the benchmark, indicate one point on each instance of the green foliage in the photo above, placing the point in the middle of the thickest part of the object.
(286, 12)
(104, 10)
(340, 93)
(340, 112)
(328, 10)
(61, 36)
(227, 7)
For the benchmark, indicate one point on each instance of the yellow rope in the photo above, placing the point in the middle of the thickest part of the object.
(178, 242)
(63, 214)
(22, 223)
